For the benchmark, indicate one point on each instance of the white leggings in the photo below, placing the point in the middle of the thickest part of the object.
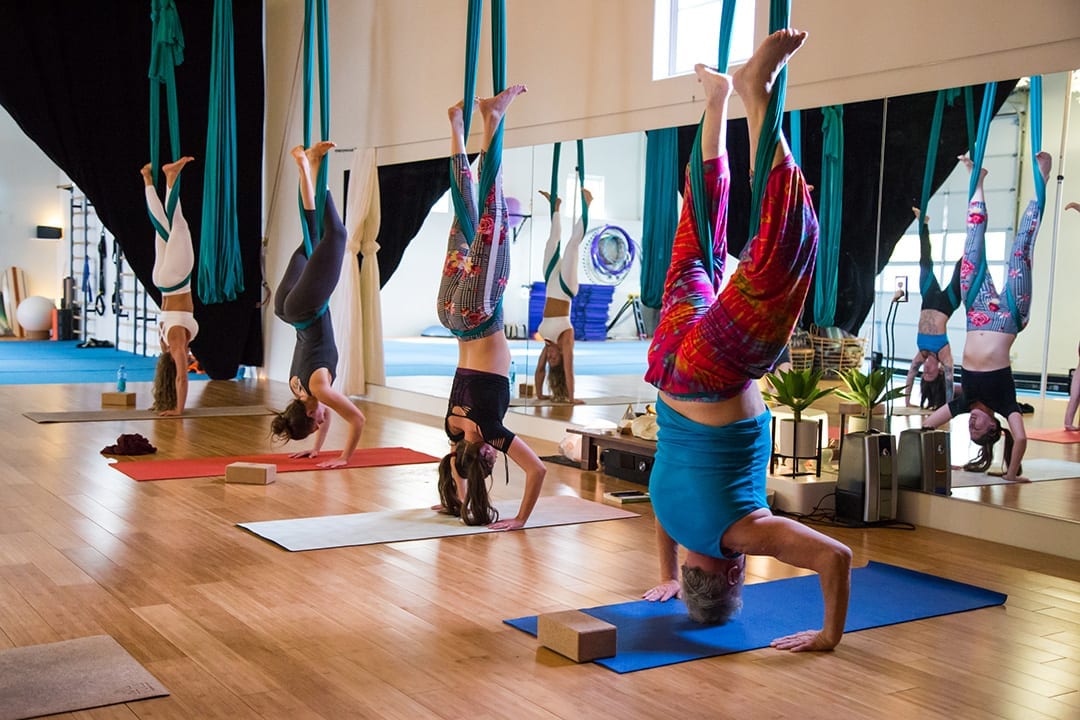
(174, 259)
(561, 273)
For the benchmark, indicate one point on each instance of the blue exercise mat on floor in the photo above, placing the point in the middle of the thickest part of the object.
(656, 634)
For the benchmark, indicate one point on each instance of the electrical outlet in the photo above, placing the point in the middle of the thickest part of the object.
(901, 289)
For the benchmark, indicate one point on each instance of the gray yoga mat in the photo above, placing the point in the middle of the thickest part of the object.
(71, 675)
(1036, 470)
(331, 531)
(133, 414)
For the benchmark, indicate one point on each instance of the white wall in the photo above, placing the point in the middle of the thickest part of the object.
(28, 198)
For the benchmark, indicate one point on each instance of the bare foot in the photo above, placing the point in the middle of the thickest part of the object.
(316, 153)
(492, 109)
(754, 81)
(1043, 160)
(172, 170)
(916, 211)
(587, 195)
(970, 165)
(717, 85)
(1072, 428)
(299, 155)
(148, 176)
(558, 204)
(1073, 206)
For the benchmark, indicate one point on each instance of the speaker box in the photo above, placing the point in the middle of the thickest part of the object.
(626, 465)
(866, 489)
(924, 461)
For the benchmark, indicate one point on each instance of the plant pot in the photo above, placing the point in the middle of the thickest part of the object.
(857, 423)
(806, 436)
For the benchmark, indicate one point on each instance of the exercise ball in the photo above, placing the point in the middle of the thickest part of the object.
(35, 313)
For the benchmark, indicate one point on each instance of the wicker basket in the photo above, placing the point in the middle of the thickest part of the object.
(801, 358)
(834, 355)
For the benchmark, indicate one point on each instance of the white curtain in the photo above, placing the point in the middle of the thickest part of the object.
(355, 303)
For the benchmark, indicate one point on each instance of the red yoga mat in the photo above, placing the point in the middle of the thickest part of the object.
(1055, 435)
(208, 467)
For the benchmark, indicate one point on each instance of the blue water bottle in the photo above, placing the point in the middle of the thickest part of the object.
(121, 379)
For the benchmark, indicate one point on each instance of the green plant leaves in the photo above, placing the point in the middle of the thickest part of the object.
(796, 389)
(868, 390)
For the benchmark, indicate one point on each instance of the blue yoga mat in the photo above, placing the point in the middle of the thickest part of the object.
(656, 634)
(42, 362)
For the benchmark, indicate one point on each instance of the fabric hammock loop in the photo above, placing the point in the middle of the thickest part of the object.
(166, 52)
(492, 163)
(316, 53)
(221, 272)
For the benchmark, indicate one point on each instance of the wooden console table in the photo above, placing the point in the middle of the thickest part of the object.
(593, 442)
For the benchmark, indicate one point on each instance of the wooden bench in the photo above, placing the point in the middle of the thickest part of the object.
(593, 442)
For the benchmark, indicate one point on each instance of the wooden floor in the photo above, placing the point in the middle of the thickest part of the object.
(237, 628)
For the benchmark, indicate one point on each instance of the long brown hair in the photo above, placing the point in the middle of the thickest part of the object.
(933, 391)
(292, 423)
(475, 469)
(164, 389)
(982, 461)
(557, 382)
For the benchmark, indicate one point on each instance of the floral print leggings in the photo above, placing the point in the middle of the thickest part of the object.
(476, 269)
(986, 309)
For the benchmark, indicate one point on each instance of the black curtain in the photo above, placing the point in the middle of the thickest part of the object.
(75, 81)
(406, 193)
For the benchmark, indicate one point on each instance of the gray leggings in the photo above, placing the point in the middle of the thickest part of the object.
(308, 282)
(476, 269)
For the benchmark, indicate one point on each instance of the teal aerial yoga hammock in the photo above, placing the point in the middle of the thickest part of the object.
(221, 271)
(493, 153)
(554, 194)
(316, 36)
(489, 169)
(831, 214)
(779, 17)
(166, 52)
(985, 116)
(661, 215)
(795, 135)
(553, 188)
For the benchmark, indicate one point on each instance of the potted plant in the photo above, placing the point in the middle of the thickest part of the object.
(798, 390)
(868, 391)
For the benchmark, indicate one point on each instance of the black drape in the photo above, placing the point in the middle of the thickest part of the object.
(406, 193)
(75, 80)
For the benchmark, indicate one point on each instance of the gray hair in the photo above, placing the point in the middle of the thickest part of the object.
(708, 596)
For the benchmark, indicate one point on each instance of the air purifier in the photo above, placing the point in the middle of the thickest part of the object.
(866, 479)
(924, 461)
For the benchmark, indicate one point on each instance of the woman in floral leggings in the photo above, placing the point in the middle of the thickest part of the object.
(470, 306)
(993, 321)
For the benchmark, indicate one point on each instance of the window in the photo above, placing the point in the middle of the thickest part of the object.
(571, 196)
(687, 32)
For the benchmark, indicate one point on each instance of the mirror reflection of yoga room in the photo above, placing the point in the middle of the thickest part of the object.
(892, 112)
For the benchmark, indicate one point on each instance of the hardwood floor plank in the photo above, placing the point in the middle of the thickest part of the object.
(238, 628)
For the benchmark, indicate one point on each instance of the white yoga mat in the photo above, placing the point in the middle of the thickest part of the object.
(390, 526)
(610, 400)
(1036, 470)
